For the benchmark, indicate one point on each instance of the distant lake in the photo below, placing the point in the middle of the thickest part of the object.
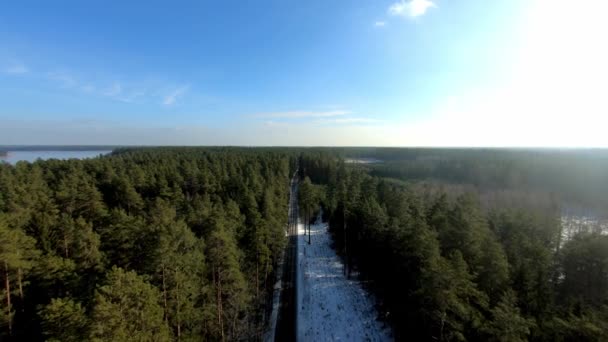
(31, 156)
(362, 160)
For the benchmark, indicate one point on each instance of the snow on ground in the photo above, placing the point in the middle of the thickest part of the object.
(331, 307)
(572, 225)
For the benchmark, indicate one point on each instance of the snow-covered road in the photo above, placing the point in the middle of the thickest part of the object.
(331, 307)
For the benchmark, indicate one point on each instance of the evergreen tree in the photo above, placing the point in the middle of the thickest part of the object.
(17, 255)
(127, 309)
(64, 320)
(180, 274)
(507, 323)
(204, 229)
(585, 268)
(227, 281)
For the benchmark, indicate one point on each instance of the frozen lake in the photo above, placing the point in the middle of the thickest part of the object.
(31, 156)
(362, 160)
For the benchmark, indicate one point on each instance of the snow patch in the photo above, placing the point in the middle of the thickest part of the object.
(331, 307)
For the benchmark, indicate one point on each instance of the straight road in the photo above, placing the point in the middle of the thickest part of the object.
(287, 313)
(315, 301)
(332, 307)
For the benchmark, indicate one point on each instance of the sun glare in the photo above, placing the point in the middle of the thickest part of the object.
(553, 96)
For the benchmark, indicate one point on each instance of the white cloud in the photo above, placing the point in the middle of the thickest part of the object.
(128, 92)
(272, 123)
(412, 8)
(66, 80)
(88, 88)
(303, 114)
(16, 69)
(114, 90)
(348, 121)
(174, 95)
(315, 118)
(132, 96)
(379, 24)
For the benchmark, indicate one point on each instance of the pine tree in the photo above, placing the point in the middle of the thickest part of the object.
(127, 309)
(585, 270)
(64, 320)
(227, 280)
(17, 257)
(507, 324)
(180, 273)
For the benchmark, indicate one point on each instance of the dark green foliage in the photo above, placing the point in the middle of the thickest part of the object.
(506, 323)
(64, 320)
(228, 283)
(455, 262)
(137, 245)
(585, 269)
(573, 175)
(182, 243)
(127, 309)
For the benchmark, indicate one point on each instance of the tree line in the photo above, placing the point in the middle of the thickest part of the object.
(445, 267)
(153, 244)
(160, 244)
(576, 177)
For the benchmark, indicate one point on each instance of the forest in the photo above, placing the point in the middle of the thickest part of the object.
(142, 245)
(181, 244)
(449, 262)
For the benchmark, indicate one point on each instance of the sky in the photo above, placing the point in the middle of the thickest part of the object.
(504, 73)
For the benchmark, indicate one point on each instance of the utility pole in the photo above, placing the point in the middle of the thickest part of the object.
(309, 229)
(346, 273)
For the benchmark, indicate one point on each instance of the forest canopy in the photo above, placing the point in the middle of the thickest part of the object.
(185, 239)
(454, 249)
(160, 244)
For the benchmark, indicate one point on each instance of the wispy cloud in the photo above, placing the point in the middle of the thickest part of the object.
(348, 121)
(316, 118)
(65, 79)
(114, 90)
(16, 69)
(130, 91)
(174, 95)
(412, 8)
(132, 96)
(272, 123)
(302, 114)
(88, 88)
(379, 24)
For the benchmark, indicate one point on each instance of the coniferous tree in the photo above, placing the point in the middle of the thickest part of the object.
(64, 320)
(506, 323)
(127, 309)
(464, 245)
(180, 273)
(17, 255)
(228, 283)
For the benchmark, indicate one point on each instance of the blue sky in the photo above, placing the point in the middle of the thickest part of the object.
(397, 73)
